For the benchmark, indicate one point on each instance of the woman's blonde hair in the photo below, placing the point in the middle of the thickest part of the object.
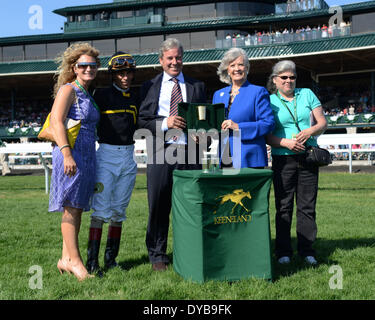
(229, 57)
(67, 60)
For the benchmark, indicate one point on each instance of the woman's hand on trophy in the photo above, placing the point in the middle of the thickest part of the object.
(229, 124)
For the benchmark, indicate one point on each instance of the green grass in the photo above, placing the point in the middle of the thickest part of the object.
(29, 236)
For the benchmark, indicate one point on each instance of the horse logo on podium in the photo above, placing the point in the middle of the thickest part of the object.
(236, 197)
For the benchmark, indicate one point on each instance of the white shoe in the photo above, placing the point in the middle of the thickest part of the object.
(311, 260)
(284, 260)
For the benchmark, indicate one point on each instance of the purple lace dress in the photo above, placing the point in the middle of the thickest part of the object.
(76, 191)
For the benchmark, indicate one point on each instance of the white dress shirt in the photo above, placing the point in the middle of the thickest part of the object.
(165, 100)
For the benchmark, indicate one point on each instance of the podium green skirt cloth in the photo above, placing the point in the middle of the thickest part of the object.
(221, 224)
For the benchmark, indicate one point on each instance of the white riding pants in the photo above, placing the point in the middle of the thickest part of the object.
(116, 171)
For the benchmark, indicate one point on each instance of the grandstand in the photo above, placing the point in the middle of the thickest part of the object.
(334, 50)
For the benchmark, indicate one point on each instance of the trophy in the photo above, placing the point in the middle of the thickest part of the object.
(201, 113)
(204, 116)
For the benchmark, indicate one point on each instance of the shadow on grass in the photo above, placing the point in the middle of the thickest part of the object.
(339, 188)
(129, 264)
(324, 249)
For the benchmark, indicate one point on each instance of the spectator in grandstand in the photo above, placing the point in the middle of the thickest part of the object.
(247, 109)
(292, 175)
(115, 166)
(73, 180)
(351, 109)
(324, 30)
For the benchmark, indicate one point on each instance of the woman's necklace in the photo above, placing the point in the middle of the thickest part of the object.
(234, 92)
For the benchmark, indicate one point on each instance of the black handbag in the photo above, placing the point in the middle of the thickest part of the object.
(318, 156)
(314, 155)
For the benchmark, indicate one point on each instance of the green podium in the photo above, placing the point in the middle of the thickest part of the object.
(221, 227)
(202, 115)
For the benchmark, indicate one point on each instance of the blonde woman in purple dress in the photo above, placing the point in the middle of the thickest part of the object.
(73, 180)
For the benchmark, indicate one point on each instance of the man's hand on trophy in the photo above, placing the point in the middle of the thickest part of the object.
(176, 122)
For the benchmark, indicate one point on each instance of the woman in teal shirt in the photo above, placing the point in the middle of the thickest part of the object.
(293, 177)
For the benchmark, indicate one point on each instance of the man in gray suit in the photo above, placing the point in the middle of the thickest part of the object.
(158, 114)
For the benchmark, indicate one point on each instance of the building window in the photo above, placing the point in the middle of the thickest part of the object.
(184, 38)
(151, 43)
(124, 14)
(81, 18)
(363, 23)
(190, 12)
(55, 49)
(13, 53)
(105, 46)
(35, 51)
(202, 11)
(250, 8)
(130, 45)
(203, 40)
(177, 13)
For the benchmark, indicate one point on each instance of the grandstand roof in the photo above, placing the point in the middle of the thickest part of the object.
(172, 27)
(275, 51)
(135, 4)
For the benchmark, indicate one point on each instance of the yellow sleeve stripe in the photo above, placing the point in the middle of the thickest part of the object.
(134, 115)
(134, 107)
(113, 111)
(133, 112)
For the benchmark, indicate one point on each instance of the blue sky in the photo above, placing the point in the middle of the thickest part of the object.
(20, 17)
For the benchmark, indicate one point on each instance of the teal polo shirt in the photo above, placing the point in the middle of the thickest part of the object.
(306, 101)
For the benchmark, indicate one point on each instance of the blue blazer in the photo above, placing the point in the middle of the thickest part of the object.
(252, 111)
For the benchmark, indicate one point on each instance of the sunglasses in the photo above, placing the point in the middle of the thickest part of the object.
(84, 65)
(286, 77)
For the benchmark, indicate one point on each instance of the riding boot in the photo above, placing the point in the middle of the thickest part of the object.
(92, 264)
(112, 247)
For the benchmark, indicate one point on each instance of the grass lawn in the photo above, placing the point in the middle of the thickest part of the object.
(30, 237)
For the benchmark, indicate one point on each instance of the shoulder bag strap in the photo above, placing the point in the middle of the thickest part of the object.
(76, 100)
(295, 106)
(88, 95)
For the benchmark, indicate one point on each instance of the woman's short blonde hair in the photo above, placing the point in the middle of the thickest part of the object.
(280, 67)
(229, 57)
(67, 60)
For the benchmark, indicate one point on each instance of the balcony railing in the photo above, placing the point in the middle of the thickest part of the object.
(275, 38)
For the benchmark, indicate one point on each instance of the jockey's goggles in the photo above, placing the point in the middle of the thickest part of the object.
(121, 62)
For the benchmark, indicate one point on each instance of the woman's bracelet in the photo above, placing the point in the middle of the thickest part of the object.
(64, 146)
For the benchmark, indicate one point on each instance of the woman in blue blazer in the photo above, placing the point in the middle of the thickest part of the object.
(248, 110)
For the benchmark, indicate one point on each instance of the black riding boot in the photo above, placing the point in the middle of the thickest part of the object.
(112, 247)
(92, 264)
